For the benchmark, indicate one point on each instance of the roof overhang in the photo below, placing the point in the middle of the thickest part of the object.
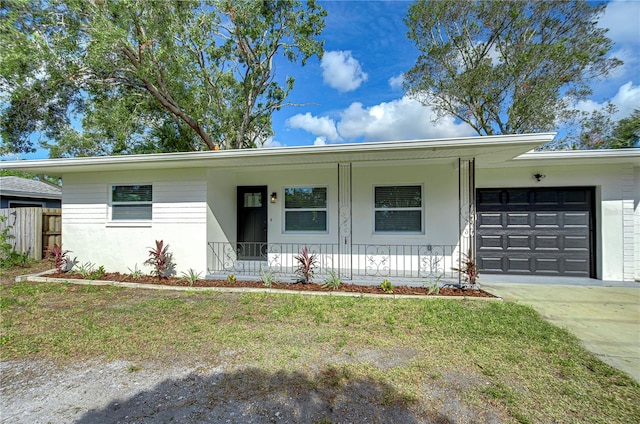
(488, 151)
(27, 194)
(577, 157)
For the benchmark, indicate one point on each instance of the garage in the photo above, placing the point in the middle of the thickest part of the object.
(536, 231)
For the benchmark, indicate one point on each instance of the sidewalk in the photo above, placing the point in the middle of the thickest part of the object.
(604, 316)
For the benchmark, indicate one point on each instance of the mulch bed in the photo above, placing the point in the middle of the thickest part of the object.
(349, 288)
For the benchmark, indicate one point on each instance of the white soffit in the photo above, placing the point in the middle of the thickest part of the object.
(487, 150)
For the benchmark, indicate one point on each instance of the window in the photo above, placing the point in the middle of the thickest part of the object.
(398, 209)
(131, 202)
(305, 209)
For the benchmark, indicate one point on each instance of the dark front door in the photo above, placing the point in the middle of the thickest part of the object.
(252, 222)
(536, 231)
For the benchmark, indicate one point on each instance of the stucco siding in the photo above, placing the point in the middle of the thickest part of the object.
(614, 223)
(179, 216)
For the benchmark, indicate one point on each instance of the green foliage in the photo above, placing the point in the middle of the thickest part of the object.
(626, 133)
(507, 67)
(433, 287)
(332, 282)
(267, 277)
(88, 271)
(386, 286)
(8, 256)
(231, 279)
(598, 130)
(135, 273)
(148, 76)
(191, 276)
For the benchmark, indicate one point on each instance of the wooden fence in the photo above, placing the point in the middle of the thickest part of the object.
(33, 229)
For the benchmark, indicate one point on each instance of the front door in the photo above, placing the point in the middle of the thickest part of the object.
(252, 222)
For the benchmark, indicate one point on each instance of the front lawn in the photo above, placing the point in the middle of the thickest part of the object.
(493, 354)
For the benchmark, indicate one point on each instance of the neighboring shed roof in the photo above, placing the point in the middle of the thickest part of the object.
(23, 187)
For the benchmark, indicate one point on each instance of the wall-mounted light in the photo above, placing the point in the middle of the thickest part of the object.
(538, 176)
(274, 197)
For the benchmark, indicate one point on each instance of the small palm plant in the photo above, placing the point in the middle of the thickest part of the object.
(307, 262)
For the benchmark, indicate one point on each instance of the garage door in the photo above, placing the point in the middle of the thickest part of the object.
(536, 231)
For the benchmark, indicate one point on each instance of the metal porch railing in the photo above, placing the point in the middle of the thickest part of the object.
(428, 262)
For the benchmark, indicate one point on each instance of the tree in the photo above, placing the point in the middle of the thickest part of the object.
(507, 67)
(626, 133)
(148, 76)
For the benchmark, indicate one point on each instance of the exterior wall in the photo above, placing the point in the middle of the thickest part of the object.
(637, 222)
(37, 201)
(440, 198)
(440, 215)
(613, 208)
(179, 218)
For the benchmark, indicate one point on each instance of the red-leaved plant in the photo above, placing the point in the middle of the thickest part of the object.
(306, 263)
(60, 257)
(469, 269)
(160, 259)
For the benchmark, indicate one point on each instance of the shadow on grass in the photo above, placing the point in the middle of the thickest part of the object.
(333, 395)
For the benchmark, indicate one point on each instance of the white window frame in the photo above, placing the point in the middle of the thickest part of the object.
(285, 210)
(420, 208)
(113, 203)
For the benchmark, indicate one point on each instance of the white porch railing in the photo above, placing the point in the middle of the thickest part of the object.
(428, 262)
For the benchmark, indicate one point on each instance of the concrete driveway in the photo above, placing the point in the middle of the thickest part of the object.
(604, 316)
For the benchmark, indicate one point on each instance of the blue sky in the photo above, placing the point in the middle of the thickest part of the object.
(355, 94)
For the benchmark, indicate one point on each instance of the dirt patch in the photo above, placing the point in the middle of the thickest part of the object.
(309, 287)
(124, 392)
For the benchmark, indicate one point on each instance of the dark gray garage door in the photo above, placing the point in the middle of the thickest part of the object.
(541, 231)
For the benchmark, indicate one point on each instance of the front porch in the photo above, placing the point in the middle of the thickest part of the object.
(355, 262)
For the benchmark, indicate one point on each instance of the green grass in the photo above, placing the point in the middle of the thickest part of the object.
(500, 354)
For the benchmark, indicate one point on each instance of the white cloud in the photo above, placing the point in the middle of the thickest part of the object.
(341, 71)
(395, 82)
(621, 18)
(626, 100)
(401, 119)
(322, 126)
(270, 142)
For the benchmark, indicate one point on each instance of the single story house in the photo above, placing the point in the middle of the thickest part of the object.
(400, 209)
(17, 192)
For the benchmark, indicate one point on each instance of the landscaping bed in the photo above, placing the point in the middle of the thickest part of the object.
(298, 286)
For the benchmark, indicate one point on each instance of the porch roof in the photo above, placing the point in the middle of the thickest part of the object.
(488, 151)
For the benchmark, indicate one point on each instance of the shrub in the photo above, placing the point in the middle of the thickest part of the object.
(332, 282)
(433, 287)
(60, 257)
(85, 269)
(160, 259)
(469, 270)
(267, 278)
(135, 273)
(231, 279)
(306, 264)
(8, 256)
(191, 276)
(386, 286)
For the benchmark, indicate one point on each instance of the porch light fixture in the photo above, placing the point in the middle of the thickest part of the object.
(274, 197)
(538, 177)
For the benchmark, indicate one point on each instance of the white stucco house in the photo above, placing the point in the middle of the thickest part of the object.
(400, 209)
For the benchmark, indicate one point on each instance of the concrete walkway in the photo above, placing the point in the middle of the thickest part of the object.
(604, 316)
